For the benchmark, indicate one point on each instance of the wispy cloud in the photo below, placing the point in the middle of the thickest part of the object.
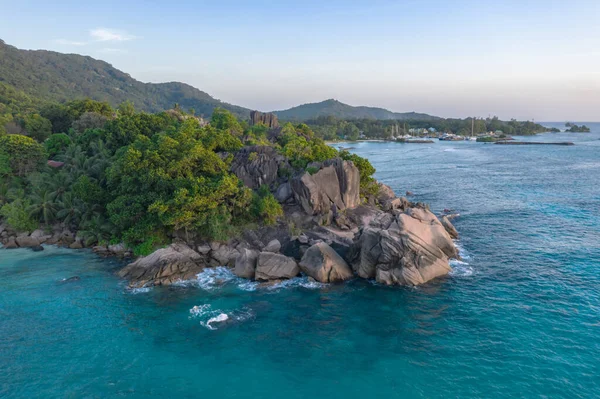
(110, 35)
(65, 42)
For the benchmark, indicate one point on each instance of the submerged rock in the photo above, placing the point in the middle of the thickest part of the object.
(164, 266)
(271, 266)
(323, 264)
(407, 249)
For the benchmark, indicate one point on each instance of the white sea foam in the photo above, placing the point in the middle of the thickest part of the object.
(461, 268)
(201, 310)
(141, 290)
(211, 318)
(297, 282)
(217, 319)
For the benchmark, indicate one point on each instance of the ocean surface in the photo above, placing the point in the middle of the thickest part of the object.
(519, 317)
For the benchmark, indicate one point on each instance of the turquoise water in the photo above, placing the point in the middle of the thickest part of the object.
(519, 318)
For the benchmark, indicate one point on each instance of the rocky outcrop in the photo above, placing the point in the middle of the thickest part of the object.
(269, 120)
(164, 266)
(334, 187)
(323, 264)
(272, 246)
(25, 241)
(257, 165)
(406, 249)
(450, 229)
(272, 266)
(245, 264)
(284, 192)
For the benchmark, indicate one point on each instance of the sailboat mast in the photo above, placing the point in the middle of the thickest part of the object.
(472, 127)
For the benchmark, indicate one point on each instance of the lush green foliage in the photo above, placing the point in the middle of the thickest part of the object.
(368, 185)
(265, 207)
(139, 177)
(56, 144)
(573, 128)
(56, 77)
(25, 154)
(17, 217)
(301, 150)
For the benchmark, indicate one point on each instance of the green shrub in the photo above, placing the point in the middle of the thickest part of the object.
(312, 170)
(56, 144)
(265, 206)
(24, 153)
(17, 217)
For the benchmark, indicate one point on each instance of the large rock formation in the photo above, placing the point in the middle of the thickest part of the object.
(270, 120)
(257, 165)
(245, 264)
(407, 249)
(272, 266)
(164, 266)
(335, 186)
(323, 264)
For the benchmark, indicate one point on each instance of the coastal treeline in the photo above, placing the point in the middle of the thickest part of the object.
(332, 128)
(116, 175)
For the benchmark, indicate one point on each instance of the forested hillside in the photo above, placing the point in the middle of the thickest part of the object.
(52, 76)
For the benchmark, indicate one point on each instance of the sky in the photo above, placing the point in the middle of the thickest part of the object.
(527, 59)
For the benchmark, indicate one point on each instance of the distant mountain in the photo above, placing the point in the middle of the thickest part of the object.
(345, 111)
(53, 76)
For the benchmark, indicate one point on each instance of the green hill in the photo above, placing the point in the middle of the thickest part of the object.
(345, 111)
(52, 76)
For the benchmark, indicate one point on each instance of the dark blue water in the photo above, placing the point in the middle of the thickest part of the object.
(519, 318)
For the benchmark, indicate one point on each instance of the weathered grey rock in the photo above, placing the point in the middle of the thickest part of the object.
(11, 243)
(204, 249)
(407, 249)
(334, 186)
(267, 119)
(164, 266)
(41, 236)
(396, 203)
(256, 165)
(76, 245)
(449, 227)
(284, 192)
(272, 246)
(323, 264)
(224, 256)
(117, 249)
(37, 249)
(271, 266)
(245, 264)
(385, 193)
(25, 241)
(101, 250)
(303, 239)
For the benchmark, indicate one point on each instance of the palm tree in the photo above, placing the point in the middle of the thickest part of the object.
(70, 210)
(43, 206)
(96, 230)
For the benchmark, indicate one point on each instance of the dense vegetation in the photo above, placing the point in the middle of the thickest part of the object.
(340, 110)
(573, 128)
(53, 76)
(332, 128)
(121, 175)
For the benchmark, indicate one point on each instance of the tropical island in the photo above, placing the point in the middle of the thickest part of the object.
(573, 128)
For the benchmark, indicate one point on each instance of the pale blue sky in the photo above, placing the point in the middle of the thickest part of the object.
(523, 59)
